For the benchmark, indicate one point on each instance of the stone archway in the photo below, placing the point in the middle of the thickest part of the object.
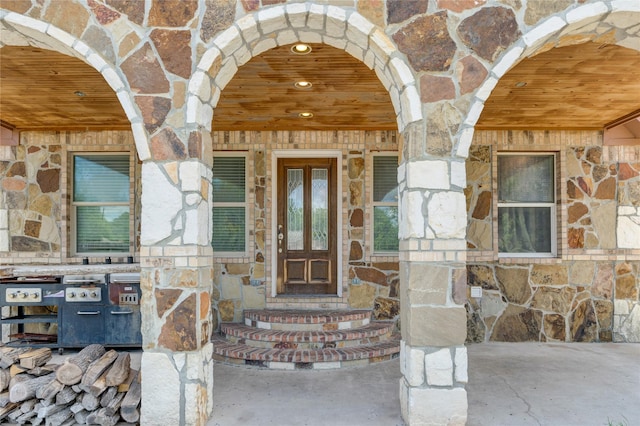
(432, 345)
(25, 30)
(585, 23)
(281, 25)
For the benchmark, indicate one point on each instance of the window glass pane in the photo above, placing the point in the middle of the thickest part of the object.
(385, 230)
(295, 210)
(524, 229)
(525, 178)
(228, 179)
(101, 178)
(319, 209)
(385, 178)
(102, 229)
(228, 229)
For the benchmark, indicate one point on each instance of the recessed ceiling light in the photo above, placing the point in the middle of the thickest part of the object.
(301, 48)
(303, 84)
(79, 93)
(305, 115)
(521, 84)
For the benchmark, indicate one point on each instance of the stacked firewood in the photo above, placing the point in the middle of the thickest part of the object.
(94, 386)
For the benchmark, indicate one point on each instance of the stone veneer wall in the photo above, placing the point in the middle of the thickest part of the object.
(245, 282)
(590, 292)
(35, 185)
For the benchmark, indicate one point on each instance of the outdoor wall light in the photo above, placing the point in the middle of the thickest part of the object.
(301, 49)
(303, 84)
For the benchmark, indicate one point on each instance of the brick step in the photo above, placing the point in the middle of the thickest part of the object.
(280, 339)
(301, 320)
(291, 359)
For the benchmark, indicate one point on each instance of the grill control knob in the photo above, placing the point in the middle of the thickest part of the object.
(13, 295)
(94, 294)
(71, 294)
(23, 295)
(83, 294)
(34, 295)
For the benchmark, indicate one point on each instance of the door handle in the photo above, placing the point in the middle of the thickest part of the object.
(280, 237)
(121, 312)
(88, 312)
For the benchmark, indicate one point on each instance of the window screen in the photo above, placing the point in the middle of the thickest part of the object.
(101, 188)
(385, 203)
(229, 204)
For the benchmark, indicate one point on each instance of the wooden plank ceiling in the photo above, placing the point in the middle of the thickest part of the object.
(583, 86)
(344, 95)
(38, 92)
(576, 87)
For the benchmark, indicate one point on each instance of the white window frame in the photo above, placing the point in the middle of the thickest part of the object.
(245, 204)
(74, 214)
(375, 204)
(552, 207)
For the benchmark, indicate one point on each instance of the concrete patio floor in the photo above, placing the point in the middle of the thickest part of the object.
(510, 384)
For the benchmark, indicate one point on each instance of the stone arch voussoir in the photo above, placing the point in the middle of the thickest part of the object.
(573, 26)
(21, 30)
(281, 25)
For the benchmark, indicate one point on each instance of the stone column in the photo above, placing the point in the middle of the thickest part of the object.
(433, 358)
(177, 272)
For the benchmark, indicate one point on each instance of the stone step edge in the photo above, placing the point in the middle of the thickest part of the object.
(291, 366)
(374, 329)
(240, 351)
(292, 316)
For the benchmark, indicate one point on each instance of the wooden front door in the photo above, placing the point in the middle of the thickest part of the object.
(306, 226)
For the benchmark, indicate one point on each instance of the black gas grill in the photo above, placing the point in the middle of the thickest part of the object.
(74, 310)
(101, 309)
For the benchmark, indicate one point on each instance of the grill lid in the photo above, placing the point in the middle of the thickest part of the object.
(84, 279)
(125, 278)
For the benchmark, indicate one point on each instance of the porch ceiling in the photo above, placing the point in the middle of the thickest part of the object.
(584, 86)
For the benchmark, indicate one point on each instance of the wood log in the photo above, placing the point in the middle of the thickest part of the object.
(102, 418)
(77, 407)
(35, 358)
(4, 399)
(4, 411)
(26, 417)
(5, 378)
(21, 391)
(73, 369)
(114, 404)
(108, 395)
(119, 371)
(58, 418)
(43, 370)
(50, 390)
(97, 368)
(9, 356)
(14, 414)
(16, 369)
(130, 403)
(45, 412)
(124, 386)
(28, 405)
(90, 402)
(81, 417)
(98, 386)
(65, 396)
